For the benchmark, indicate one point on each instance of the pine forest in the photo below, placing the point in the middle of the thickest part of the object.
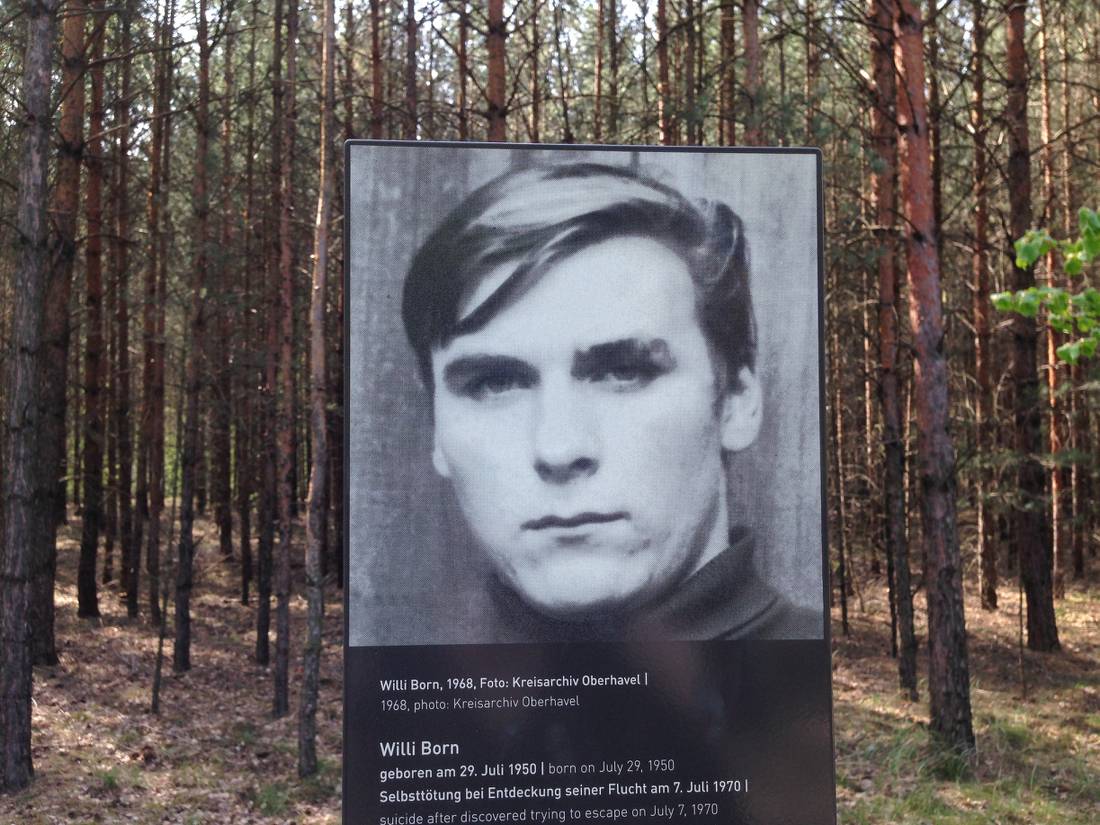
(171, 324)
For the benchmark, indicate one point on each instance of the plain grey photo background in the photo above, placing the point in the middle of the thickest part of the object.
(414, 575)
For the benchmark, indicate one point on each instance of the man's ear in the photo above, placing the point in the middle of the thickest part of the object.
(742, 410)
(439, 461)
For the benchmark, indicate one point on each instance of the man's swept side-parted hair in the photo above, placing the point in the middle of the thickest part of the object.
(538, 216)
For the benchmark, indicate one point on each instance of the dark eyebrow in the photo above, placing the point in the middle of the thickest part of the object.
(626, 351)
(458, 373)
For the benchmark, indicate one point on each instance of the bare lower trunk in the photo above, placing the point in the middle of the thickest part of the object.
(193, 380)
(94, 431)
(948, 669)
(840, 533)
(56, 330)
(885, 200)
(131, 555)
(24, 482)
(284, 438)
(987, 549)
(1030, 530)
(221, 414)
(318, 424)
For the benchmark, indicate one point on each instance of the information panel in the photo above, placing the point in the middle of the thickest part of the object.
(584, 528)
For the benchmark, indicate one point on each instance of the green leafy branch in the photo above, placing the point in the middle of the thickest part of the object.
(1075, 314)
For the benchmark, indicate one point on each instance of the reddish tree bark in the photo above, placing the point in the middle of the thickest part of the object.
(948, 669)
(750, 28)
(884, 142)
(56, 330)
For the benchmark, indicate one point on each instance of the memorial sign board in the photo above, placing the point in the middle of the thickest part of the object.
(584, 500)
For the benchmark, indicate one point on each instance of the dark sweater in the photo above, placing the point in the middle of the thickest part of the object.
(725, 599)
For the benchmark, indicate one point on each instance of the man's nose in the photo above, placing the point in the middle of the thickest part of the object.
(565, 442)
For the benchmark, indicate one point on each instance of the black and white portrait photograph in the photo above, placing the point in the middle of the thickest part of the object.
(583, 394)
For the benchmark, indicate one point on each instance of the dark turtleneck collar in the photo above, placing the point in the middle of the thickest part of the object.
(724, 599)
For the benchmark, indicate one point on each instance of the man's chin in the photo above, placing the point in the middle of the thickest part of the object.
(582, 602)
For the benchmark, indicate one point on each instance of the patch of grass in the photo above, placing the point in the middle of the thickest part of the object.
(322, 786)
(244, 733)
(129, 737)
(273, 800)
(110, 779)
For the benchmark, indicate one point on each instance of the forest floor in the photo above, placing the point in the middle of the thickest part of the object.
(215, 755)
(1037, 760)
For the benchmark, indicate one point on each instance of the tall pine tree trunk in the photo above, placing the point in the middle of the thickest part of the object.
(318, 423)
(377, 97)
(983, 400)
(885, 200)
(410, 70)
(122, 422)
(611, 29)
(193, 375)
(464, 73)
(948, 669)
(94, 374)
(1030, 530)
(1056, 435)
(221, 415)
(664, 86)
(284, 436)
(496, 69)
(750, 29)
(25, 482)
(727, 131)
(56, 330)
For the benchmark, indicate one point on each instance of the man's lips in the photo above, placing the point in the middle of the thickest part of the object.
(579, 520)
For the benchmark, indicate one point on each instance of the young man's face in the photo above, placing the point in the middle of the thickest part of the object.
(582, 433)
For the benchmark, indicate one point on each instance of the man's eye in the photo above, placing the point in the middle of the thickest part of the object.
(494, 384)
(626, 376)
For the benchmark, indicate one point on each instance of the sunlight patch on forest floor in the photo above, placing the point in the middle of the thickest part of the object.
(214, 755)
(1038, 759)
